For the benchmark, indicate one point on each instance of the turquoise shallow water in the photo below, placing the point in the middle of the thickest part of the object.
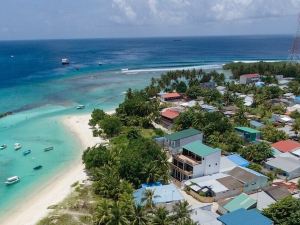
(36, 125)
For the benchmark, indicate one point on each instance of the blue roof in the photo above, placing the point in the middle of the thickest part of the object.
(256, 124)
(162, 194)
(154, 184)
(239, 160)
(245, 217)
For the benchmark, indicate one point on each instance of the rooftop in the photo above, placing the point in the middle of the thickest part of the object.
(183, 134)
(239, 160)
(286, 145)
(263, 200)
(243, 174)
(251, 75)
(230, 182)
(162, 194)
(198, 148)
(241, 201)
(277, 192)
(171, 114)
(171, 95)
(245, 217)
(287, 164)
(247, 130)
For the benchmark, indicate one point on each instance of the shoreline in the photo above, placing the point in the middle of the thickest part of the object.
(34, 207)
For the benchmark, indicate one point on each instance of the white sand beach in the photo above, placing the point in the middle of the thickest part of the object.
(34, 207)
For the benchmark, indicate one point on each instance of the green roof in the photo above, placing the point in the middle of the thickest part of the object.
(198, 148)
(242, 201)
(183, 134)
(248, 130)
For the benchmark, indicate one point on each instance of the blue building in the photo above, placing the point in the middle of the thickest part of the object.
(245, 217)
(239, 160)
(297, 100)
(256, 125)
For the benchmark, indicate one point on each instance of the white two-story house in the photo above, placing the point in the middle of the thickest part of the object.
(195, 160)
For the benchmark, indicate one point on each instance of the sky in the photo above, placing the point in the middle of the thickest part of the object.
(59, 19)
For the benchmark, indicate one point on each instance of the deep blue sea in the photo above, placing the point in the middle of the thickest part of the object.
(39, 90)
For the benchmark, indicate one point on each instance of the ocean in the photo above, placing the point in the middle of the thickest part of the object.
(39, 90)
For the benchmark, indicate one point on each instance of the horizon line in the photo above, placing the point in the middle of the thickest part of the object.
(144, 37)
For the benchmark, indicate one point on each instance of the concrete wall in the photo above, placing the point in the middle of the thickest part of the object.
(182, 142)
(212, 163)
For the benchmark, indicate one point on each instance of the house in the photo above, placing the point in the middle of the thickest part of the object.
(248, 134)
(213, 187)
(227, 164)
(263, 200)
(286, 146)
(170, 96)
(297, 100)
(208, 108)
(242, 201)
(238, 160)
(204, 217)
(285, 164)
(175, 141)
(284, 119)
(166, 195)
(168, 116)
(251, 179)
(195, 160)
(245, 217)
(256, 124)
(249, 78)
(293, 108)
(277, 192)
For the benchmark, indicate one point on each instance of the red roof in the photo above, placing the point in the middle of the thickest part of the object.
(170, 114)
(250, 75)
(286, 145)
(172, 95)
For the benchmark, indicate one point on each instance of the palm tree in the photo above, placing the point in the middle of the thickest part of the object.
(181, 211)
(103, 213)
(119, 214)
(161, 217)
(151, 172)
(296, 126)
(140, 216)
(148, 198)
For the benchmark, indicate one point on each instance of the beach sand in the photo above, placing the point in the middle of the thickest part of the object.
(34, 206)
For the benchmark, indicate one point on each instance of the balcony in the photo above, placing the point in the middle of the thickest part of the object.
(187, 173)
(186, 159)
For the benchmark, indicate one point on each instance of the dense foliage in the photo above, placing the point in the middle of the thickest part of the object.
(284, 212)
(257, 153)
(285, 68)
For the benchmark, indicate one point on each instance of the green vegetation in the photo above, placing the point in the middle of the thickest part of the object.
(264, 68)
(257, 153)
(284, 212)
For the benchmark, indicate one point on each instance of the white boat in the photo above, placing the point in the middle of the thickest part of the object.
(12, 180)
(125, 70)
(4, 146)
(100, 63)
(80, 107)
(65, 61)
(17, 146)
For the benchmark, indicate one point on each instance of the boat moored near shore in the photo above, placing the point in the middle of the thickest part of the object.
(65, 61)
(27, 152)
(12, 180)
(48, 149)
(2, 147)
(80, 107)
(17, 146)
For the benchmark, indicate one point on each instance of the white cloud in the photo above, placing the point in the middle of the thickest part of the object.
(126, 8)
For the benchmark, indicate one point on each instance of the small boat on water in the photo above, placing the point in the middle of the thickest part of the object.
(2, 147)
(12, 180)
(125, 70)
(65, 61)
(27, 152)
(17, 146)
(48, 149)
(80, 107)
(38, 167)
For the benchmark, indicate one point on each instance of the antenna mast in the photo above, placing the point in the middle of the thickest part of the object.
(294, 56)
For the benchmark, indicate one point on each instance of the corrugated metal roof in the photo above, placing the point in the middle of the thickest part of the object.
(247, 130)
(162, 194)
(239, 160)
(241, 201)
(183, 134)
(245, 217)
(198, 148)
